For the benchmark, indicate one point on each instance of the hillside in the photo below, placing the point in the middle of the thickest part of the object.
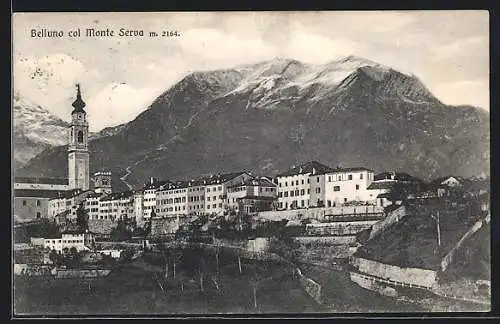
(267, 116)
(413, 241)
(35, 129)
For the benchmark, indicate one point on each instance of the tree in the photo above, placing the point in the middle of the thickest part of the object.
(54, 257)
(121, 232)
(82, 218)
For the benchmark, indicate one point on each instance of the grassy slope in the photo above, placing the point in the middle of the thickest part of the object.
(413, 241)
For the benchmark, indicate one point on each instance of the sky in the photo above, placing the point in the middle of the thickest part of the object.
(121, 76)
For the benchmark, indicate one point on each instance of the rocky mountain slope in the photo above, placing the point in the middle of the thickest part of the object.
(267, 116)
(36, 129)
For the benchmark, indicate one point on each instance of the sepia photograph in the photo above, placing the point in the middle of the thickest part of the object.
(295, 162)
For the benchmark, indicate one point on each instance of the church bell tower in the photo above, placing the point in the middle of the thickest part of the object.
(78, 151)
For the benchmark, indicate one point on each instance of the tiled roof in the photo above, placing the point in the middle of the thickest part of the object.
(257, 198)
(155, 184)
(53, 181)
(73, 193)
(37, 193)
(381, 185)
(400, 176)
(439, 181)
(220, 178)
(261, 182)
(344, 170)
(94, 195)
(305, 168)
(118, 195)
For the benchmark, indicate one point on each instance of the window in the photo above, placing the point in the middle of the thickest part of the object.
(291, 193)
(208, 189)
(349, 177)
(317, 179)
(357, 187)
(285, 194)
(307, 180)
(286, 183)
(302, 192)
(280, 184)
(308, 191)
(302, 181)
(280, 194)
(318, 190)
(361, 176)
(80, 137)
(302, 203)
(38, 203)
(345, 199)
(336, 188)
(214, 206)
(297, 192)
(24, 202)
(297, 182)
(329, 178)
(38, 215)
(208, 198)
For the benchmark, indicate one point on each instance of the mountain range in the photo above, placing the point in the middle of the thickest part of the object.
(268, 116)
(36, 129)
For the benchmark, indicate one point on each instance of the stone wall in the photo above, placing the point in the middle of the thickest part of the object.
(101, 226)
(163, 226)
(372, 285)
(311, 287)
(393, 217)
(414, 276)
(339, 228)
(326, 240)
(320, 213)
(449, 257)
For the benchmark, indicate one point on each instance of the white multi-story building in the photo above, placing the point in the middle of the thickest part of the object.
(118, 205)
(294, 185)
(251, 189)
(172, 199)
(384, 183)
(196, 197)
(69, 239)
(138, 207)
(338, 186)
(216, 190)
(92, 205)
(149, 197)
(69, 200)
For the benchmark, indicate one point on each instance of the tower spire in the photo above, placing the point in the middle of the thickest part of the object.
(78, 104)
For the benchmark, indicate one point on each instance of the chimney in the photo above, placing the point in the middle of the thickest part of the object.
(314, 171)
(152, 180)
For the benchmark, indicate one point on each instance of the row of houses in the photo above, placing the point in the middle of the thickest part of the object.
(308, 185)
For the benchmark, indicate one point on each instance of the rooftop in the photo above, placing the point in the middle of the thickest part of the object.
(49, 181)
(71, 193)
(381, 185)
(261, 182)
(398, 176)
(220, 178)
(38, 193)
(306, 168)
(118, 195)
(344, 170)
